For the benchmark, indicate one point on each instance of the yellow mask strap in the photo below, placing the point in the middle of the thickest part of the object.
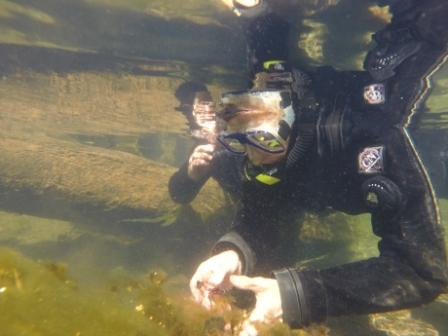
(267, 65)
(262, 178)
(267, 179)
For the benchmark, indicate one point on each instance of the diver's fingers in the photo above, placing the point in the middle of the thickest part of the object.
(195, 157)
(216, 279)
(248, 329)
(202, 284)
(201, 295)
(200, 163)
(203, 158)
(247, 283)
(195, 289)
(209, 148)
(198, 282)
(206, 302)
(210, 288)
(258, 315)
(228, 327)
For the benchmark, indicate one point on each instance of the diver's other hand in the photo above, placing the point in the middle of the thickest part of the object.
(268, 308)
(212, 276)
(199, 161)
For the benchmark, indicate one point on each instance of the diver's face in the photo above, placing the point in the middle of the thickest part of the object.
(255, 155)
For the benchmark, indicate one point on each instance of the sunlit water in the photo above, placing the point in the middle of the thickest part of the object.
(91, 133)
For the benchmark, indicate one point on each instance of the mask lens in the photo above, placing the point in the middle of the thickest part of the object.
(267, 141)
(234, 145)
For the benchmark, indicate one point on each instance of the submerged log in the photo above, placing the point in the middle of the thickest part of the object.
(85, 175)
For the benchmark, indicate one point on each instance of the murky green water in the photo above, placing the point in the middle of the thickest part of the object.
(91, 243)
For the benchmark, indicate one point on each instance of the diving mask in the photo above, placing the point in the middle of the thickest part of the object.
(275, 103)
(269, 101)
(262, 140)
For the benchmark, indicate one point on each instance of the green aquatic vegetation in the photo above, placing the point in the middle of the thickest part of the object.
(165, 219)
(180, 316)
(401, 323)
(438, 100)
(42, 299)
(38, 299)
(443, 207)
(336, 238)
(26, 230)
(312, 42)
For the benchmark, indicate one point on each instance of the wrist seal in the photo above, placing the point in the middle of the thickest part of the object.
(295, 310)
(234, 241)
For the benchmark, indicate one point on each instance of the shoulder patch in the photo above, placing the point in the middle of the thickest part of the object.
(375, 94)
(371, 160)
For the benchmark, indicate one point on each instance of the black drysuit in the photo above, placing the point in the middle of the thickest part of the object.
(361, 159)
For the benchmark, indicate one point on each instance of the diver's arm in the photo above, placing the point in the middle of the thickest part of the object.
(223, 167)
(408, 51)
(255, 234)
(182, 188)
(411, 269)
(186, 183)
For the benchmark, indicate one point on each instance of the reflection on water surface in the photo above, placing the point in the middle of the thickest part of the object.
(91, 133)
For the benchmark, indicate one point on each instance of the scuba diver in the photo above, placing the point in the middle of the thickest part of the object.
(325, 139)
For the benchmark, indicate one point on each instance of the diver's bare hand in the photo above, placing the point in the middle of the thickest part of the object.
(213, 276)
(200, 160)
(268, 308)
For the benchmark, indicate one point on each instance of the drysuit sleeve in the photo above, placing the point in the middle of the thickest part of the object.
(182, 188)
(408, 50)
(264, 231)
(224, 168)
